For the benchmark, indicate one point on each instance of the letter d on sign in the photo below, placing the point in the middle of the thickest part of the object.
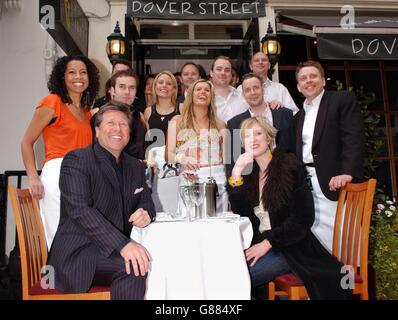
(354, 47)
(48, 277)
(136, 6)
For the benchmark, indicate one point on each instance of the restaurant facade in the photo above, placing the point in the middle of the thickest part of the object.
(357, 43)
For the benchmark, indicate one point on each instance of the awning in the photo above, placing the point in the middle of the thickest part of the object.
(357, 46)
(341, 36)
(336, 19)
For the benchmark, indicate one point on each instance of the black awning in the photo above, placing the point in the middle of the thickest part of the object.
(358, 46)
(334, 18)
(365, 36)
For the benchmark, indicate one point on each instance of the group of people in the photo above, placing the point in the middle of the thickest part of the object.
(280, 166)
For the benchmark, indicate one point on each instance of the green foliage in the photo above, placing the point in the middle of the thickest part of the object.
(383, 239)
(383, 248)
(373, 141)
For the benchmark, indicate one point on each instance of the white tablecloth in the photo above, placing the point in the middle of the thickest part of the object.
(197, 260)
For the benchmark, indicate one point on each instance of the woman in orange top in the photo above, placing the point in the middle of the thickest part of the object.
(63, 117)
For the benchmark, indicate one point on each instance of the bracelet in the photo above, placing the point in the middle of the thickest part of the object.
(235, 182)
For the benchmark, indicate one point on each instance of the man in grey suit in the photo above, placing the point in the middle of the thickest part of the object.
(103, 195)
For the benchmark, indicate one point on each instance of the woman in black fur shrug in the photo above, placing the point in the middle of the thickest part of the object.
(282, 217)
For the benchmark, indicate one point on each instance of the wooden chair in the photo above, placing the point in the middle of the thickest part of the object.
(33, 250)
(351, 236)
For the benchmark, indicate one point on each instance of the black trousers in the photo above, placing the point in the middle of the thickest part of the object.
(112, 272)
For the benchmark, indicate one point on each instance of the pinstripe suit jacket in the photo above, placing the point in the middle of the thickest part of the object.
(91, 221)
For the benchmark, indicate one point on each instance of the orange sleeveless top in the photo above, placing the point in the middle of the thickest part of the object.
(67, 132)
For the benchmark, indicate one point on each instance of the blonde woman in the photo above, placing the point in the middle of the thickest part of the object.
(157, 117)
(164, 97)
(195, 139)
(275, 196)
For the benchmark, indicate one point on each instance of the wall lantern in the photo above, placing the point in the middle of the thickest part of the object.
(116, 46)
(270, 45)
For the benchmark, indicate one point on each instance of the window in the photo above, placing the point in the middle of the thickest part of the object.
(165, 32)
(371, 81)
(293, 49)
(392, 85)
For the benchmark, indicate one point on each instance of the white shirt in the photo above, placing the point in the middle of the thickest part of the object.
(278, 92)
(230, 107)
(311, 112)
(267, 114)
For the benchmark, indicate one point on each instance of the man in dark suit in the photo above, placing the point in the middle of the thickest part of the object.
(330, 140)
(103, 195)
(281, 119)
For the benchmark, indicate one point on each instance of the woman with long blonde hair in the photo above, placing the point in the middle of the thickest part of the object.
(195, 139)
(164, 107)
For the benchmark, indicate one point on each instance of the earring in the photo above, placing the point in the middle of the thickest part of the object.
(87, 97)
(269, 153)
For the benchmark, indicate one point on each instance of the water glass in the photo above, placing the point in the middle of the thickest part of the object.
(197, 194)
(185, 195)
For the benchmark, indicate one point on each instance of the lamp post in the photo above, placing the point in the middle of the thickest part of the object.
(116, 45)
(270, 45)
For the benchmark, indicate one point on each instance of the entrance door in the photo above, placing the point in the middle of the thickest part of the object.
(158, 45)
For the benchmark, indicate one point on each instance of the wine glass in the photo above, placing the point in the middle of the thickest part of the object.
(197, 194)
(185, 195)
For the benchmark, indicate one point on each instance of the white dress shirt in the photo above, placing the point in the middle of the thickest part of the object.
(311, 112)
(278, 92)
(233, 105)
(267, 114)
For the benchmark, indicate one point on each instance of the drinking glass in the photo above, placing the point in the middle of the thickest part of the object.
(185, 194)
(197, 194)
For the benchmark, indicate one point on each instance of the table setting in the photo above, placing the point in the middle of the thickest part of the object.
(196, 252)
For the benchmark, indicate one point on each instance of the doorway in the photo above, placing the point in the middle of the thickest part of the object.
(156, 45)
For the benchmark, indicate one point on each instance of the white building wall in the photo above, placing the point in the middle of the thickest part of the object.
(103, 16)
(22, 85)
(22, 81)
(99, 13)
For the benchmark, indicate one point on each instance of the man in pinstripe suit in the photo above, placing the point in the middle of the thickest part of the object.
(103, 195)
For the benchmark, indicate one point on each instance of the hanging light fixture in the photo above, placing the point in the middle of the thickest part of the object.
(270, 45)
(116, 46)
